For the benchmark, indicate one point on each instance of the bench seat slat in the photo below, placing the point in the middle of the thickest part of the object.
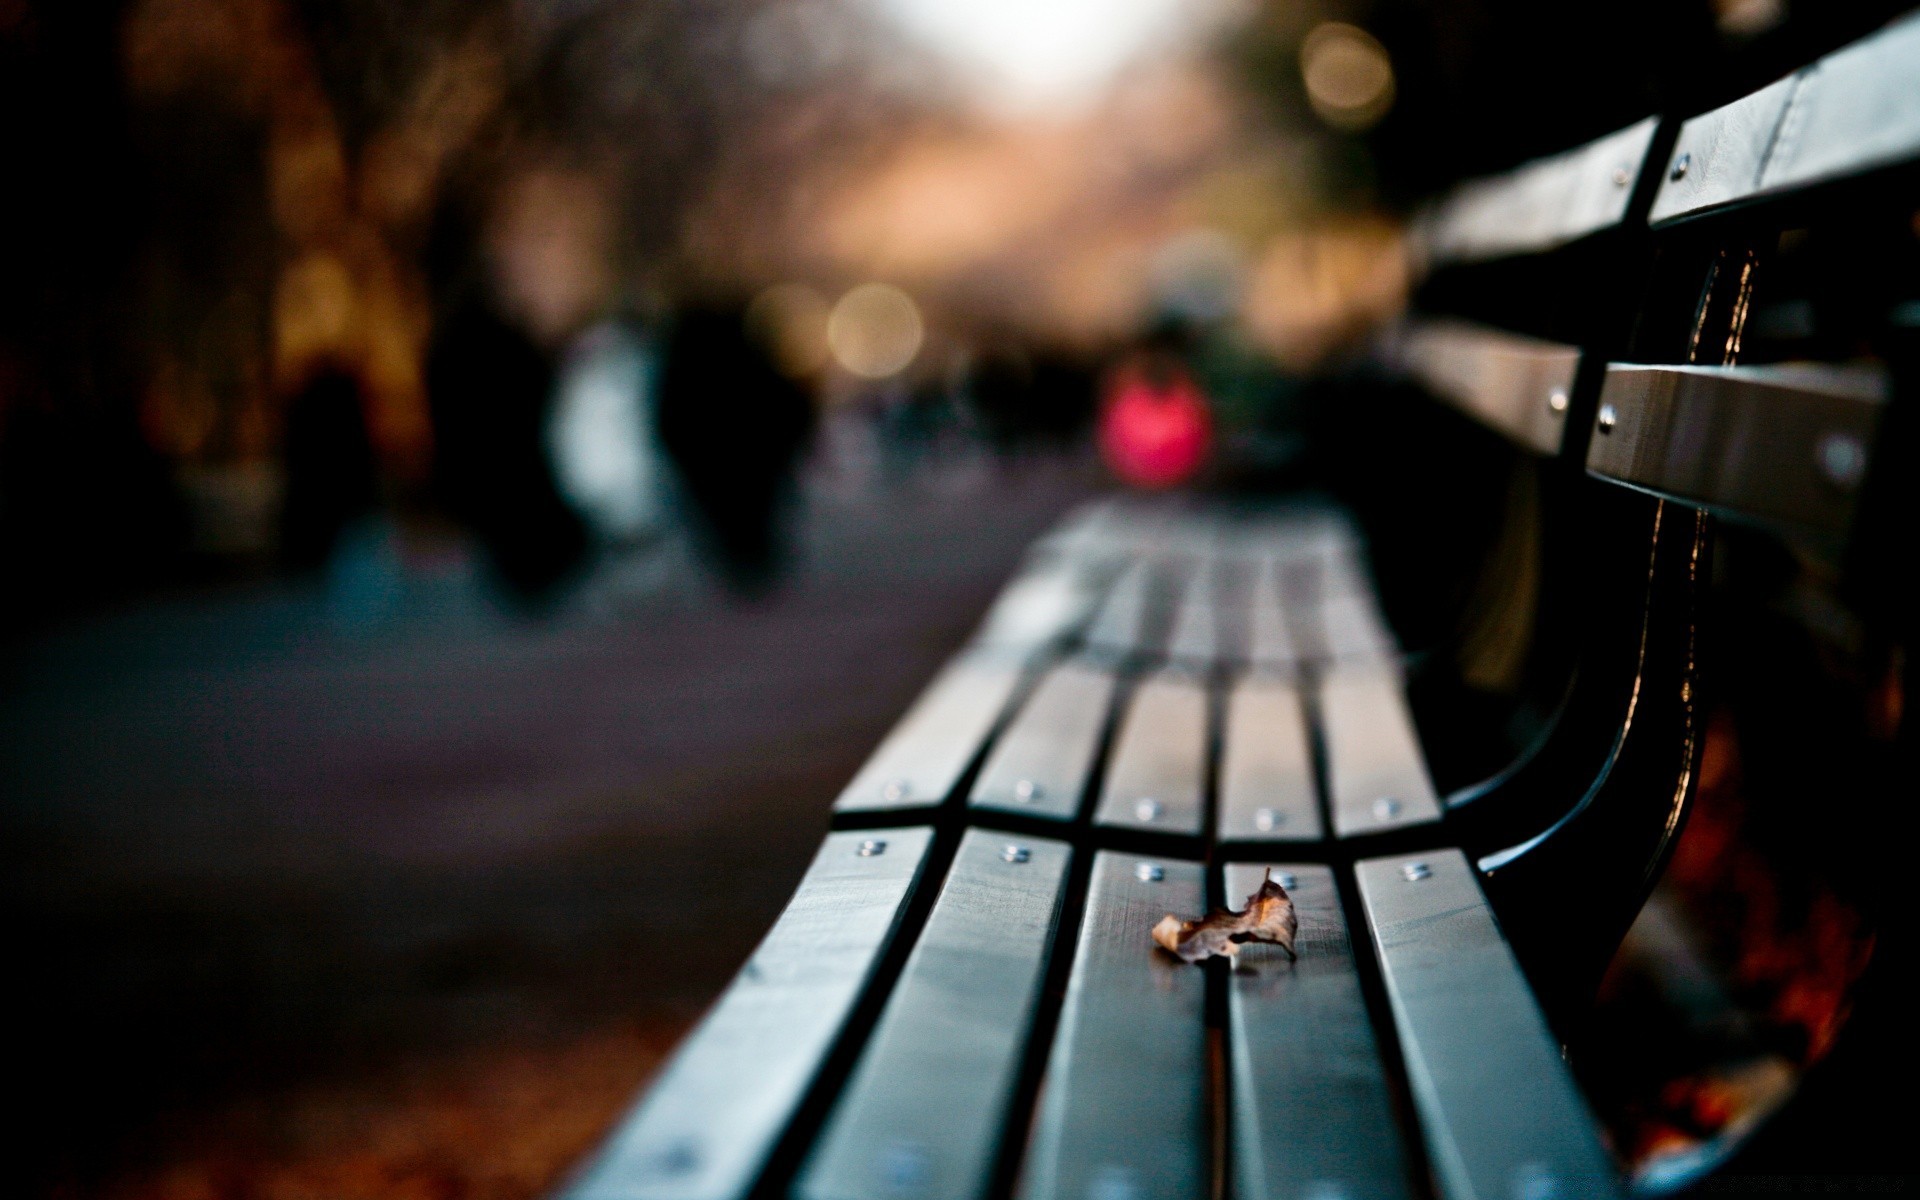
(706, 1126)
(1376, 772)
(1311, 1108)
(1123, 1107)
(1039, 765)
(923, 1114)
(1270, 644)
(1196, 638)
(1267, 791)
(1159, 764)
(1498, 1109)
(923, 758)
(1120, 628)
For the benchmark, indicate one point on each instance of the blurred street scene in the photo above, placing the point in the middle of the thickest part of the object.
(477, 477)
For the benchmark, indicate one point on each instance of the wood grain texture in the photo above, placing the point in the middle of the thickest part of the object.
(1311, 1109)
(705, 1127)
(1499, 1111)
(1123, 1111)
(925, 1110)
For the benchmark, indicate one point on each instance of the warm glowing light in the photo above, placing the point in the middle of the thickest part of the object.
(790, 320)
(1348, 75)
(1027, 55)
(875, 330)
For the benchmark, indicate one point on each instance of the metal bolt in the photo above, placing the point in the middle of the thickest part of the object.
(1027, 791)
(1557, 402)
(1016, 854)
(1386, 808)
(1621, 176)
(1414, 872)
(1266, 819)
(1286, 879)
(872, 847)
(1843, 460)
(1147, 809)
(898, 789)
(1147, 872)
(1680, 166)
(1608, 418)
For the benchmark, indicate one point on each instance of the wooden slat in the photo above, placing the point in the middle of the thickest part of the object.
(1311, 1113)
(1498, 1110)
(1045, 604)
(1270, 644)
(1778, 443)
(1376, 772)
(1196, 639)
(1040, 763)
(705, 1128)
(1267, 791)
(1121, 627)
(1351, 628)
(1853, 111)
(1544, 204)
(1517, 386)
(925, 1110)
(923, 758)
(1123, 1108)
(1157, 773)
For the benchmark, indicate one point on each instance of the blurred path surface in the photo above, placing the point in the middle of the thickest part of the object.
(411, 907)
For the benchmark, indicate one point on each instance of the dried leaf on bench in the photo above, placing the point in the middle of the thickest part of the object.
(1269, 917)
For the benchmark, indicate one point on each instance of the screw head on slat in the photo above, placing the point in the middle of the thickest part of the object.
(1414, 872)
(1557, 401)
(1268, 819)
(1680, 166)
(872, 847)
(1015, 854)
(1608, 418)
(1027, 791)
(1147, 809)
(905, 1165)
(897, 789)
(1286, 879)
(1147, 872)
(1386, 808)
(1621, 176)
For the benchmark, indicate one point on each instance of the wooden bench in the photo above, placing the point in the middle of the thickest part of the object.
(1170, 700)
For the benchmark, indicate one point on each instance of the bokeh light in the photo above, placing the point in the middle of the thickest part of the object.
(1348, 75)
(875, 330)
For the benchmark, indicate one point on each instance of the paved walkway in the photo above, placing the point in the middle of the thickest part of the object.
(320, 905)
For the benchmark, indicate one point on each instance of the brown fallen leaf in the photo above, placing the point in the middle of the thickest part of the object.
(1268, 917)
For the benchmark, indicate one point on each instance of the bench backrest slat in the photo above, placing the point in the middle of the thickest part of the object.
(1786, 443)
(1519, 386)
(1853, 111)
(1539, 206)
